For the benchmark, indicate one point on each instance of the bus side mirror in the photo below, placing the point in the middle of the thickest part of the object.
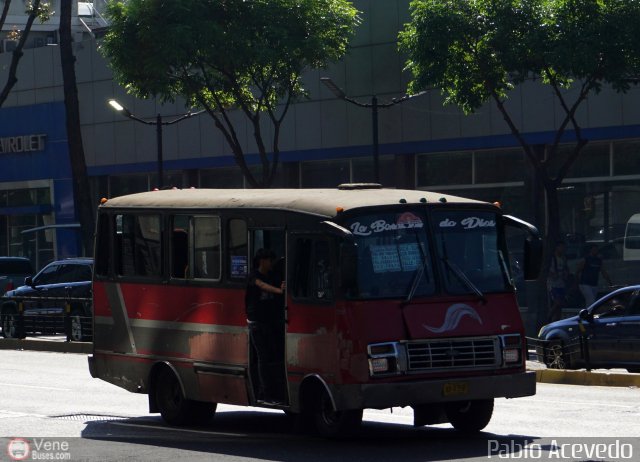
(532, 258)
(532, 247)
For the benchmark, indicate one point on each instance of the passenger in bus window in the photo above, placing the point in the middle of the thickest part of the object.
(265, 319)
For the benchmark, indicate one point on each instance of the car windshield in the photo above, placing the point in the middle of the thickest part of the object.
(469, 252)
(393, 255)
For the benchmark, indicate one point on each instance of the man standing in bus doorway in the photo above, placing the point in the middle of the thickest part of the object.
(265, 319)
(557, 282)
(588, 272)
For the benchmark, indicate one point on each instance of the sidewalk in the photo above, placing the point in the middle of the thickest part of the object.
(597, 377)
(57, 344)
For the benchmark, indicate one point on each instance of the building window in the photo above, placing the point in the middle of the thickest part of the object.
(499, 166)
(593, 160)
(325, 174)
(626, 158)
(223, 178)
(362, 170)
(128, 184)
(442, 169)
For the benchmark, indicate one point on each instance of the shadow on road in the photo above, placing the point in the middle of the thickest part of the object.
(273, 436)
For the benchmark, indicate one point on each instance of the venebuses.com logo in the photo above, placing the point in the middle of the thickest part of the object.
(18, 449)
(38, 449)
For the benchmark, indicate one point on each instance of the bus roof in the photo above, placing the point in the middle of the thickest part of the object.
(323, 202)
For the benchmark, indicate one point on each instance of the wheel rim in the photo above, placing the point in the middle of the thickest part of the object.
(557, 357)
(328, 415)
(76, 328)
(9, 326)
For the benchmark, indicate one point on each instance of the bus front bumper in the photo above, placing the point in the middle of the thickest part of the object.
(386, 395)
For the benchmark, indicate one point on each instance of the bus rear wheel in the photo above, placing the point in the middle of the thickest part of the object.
(335, 424)
(174, 407)
(470, 416)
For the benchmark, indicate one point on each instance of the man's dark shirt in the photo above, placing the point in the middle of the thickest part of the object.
(261, 306)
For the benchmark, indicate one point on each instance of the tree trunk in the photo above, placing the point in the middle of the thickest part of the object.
(81, 189)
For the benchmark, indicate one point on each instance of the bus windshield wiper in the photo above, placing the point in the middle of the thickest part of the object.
(416, 282)
(416, 279)
(464, 279)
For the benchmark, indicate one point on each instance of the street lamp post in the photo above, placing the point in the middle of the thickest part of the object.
(374, 106)
(159, 123)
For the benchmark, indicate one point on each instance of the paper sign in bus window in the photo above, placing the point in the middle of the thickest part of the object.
(410, 256)
(385, 258)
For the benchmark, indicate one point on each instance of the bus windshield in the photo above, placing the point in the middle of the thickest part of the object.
(393, 255)
(469, 254)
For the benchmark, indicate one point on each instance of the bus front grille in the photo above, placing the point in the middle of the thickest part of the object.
(459, 353)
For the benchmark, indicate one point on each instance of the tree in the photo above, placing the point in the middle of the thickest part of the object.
(222, 55)
(477, 51)
(35, 10)
(81, 190)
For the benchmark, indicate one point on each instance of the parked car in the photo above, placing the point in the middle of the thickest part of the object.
(45, 298)
(13, 270)
(605, 335)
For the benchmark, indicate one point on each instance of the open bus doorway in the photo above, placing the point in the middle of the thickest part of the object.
(267, 365)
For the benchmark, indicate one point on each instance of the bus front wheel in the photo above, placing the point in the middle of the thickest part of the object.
(470, 416)
(174, 407)
(335, 424)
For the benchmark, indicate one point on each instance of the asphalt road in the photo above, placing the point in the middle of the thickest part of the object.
(50, 399)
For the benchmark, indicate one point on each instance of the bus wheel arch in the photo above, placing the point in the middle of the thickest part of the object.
(320, 412)
(168, 397)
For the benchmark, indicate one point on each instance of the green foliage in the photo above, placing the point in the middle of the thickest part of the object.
(475, 50)
(224, 53)
(43, 13)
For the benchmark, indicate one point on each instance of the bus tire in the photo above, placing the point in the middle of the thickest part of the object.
(11, 325)
(469, 416)
(330, 423)
(174, 407)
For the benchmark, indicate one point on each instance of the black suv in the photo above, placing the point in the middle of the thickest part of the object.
(42, 304)
(13, 270)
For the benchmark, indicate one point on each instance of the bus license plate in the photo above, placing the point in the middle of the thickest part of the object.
(455, 389)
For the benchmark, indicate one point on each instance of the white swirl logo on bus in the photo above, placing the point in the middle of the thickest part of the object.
(454, 315)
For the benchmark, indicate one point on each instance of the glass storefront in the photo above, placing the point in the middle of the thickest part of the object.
(18, 206)
(599, 201)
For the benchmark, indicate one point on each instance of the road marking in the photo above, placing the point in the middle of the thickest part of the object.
(18, 385)
(572, 404)
(174, 429)
(4, 414)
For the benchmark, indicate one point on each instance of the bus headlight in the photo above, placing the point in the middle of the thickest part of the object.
(387, 359)
(512, 347)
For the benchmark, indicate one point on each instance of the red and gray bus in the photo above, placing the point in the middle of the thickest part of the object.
(393, 298)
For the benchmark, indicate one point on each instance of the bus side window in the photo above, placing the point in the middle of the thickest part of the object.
(138, 249)
(312, 273)
(180, 246)
(103, 245)
(179, 254)
(237, 248)
(206, 258)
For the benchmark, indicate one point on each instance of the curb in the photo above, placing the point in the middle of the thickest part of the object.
(600, 379)
(45, 345)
